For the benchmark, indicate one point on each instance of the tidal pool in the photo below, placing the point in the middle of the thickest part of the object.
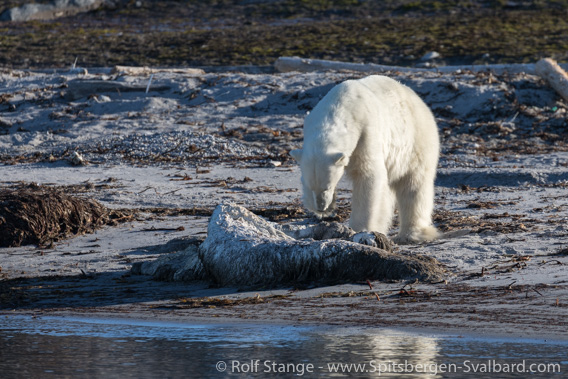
(45, 347)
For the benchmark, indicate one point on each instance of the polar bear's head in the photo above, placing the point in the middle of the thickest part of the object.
(320, 175)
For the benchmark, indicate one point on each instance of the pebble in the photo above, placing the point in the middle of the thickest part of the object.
(430, 56)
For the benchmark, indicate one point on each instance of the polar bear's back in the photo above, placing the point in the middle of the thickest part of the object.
(412, 125)
(402, 103)
(372, 96)
(396, 97)
(391, 117)
(350, 105)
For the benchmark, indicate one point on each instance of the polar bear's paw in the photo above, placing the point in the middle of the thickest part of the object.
(365, 238)
(325, 214)
(373, 239)
(425, 234)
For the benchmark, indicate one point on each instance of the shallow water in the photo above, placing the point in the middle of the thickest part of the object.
(63, 347)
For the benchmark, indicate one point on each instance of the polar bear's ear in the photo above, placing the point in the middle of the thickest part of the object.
(296, 154)
(340, 159)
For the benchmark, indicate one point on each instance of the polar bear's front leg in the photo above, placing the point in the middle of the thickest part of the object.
(372, 203)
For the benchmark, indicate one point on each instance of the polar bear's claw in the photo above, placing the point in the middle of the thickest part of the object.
(365, 238)
(324, 215)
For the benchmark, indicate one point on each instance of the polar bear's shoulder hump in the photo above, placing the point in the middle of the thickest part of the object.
(374, 83)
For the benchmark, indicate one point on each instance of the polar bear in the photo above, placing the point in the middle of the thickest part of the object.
(385, 138)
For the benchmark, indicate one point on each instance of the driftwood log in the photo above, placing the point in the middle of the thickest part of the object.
(51, 10)
(80, 88)
(288, 64)
(130, 70)
(556, 77)
(242, 249)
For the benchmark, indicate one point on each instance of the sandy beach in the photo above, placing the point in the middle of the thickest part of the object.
(170, 146)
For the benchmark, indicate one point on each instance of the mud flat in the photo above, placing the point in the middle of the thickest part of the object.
(167, 147)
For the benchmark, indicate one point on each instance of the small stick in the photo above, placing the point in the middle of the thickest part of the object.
(147, 188)
(174, 191)
(149, 82)
(153, 229)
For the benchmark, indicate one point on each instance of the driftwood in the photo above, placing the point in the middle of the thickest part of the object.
(288, 64)
(242, 249)
(52, 10)
(556, 77)
(129, 70)
(81, 88)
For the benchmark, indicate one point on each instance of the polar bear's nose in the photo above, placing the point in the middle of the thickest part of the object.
(320, 203)
(322, 200)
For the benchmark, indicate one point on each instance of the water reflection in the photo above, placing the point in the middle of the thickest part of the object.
(379, 350)
(47, 347)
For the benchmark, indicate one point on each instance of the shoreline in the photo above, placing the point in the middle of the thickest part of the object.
(454, 308)
(137, 318)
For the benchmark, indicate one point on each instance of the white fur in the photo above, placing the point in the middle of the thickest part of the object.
(385, 138)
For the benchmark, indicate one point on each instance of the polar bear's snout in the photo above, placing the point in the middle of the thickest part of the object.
(324, 200)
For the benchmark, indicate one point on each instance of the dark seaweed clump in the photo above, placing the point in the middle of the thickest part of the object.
(40, 215)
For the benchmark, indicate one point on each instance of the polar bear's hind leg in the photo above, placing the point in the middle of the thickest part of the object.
(415, 205)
